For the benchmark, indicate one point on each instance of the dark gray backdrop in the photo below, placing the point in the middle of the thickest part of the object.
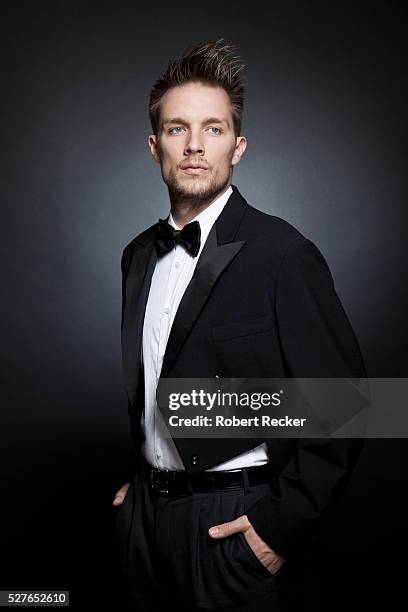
(326, 126)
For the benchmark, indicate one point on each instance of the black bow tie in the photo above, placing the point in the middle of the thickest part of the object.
(167, 237)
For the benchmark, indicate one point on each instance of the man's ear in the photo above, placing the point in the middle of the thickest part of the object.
(152, 141)
(239, 149)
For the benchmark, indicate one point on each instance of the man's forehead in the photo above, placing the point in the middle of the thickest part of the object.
(214, 97)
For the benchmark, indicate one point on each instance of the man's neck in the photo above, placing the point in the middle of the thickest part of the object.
(184, 211)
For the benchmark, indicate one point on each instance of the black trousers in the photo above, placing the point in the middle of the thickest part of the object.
(169, 561)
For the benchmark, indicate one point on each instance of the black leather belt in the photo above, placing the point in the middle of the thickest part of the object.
(169, 482)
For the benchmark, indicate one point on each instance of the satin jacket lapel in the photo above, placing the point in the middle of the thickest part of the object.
(214, 258)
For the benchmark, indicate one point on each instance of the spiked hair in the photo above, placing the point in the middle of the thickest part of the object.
(206, 63)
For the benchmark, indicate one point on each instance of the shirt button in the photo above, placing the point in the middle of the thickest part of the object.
(166, 310)
(177, 264)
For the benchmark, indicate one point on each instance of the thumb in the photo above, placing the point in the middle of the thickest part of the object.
(224, 530)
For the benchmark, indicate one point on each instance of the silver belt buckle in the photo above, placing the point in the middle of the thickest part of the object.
(155, 486)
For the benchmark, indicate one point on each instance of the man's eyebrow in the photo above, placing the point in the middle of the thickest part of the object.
(205, 121)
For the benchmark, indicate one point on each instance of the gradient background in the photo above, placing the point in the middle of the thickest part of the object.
(325, 117)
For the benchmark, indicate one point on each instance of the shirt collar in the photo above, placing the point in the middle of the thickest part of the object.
(207, 216)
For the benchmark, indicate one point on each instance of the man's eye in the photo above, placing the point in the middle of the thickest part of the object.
(173, 130)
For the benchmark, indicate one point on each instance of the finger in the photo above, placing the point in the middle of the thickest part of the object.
(120, 495)
(224, 530)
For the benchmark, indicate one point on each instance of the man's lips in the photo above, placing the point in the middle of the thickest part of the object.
(191, 170)
(194, 170)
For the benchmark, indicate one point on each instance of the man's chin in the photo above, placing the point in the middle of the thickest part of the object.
(193, 186)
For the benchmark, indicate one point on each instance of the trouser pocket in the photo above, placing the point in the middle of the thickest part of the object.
(226, 571)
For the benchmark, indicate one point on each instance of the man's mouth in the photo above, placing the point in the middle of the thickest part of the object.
(194, 170)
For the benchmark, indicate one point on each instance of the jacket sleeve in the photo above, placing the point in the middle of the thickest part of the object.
(124, 266)
(128, 469)
(317, 341)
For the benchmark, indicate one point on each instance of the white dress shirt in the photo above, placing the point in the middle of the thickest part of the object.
(170, 278)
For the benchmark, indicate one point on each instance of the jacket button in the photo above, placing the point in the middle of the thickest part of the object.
(195, 459)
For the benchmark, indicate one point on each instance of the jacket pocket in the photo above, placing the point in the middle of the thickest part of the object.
(242, 328)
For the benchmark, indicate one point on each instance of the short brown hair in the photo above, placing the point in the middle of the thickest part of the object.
(207, 63)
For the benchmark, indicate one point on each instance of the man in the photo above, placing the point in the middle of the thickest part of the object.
(221, 289)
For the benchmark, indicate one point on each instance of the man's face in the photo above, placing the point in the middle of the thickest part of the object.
(196, 129)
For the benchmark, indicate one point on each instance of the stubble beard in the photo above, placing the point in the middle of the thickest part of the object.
(193, 190)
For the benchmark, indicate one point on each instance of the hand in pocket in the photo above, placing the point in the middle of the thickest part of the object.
(268, 557)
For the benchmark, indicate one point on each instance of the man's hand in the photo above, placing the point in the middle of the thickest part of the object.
(269, 558)
(120, 495)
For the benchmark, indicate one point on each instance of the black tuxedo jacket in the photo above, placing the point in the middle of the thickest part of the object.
(261, 304)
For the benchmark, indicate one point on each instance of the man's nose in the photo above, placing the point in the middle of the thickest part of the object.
(194, 144)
